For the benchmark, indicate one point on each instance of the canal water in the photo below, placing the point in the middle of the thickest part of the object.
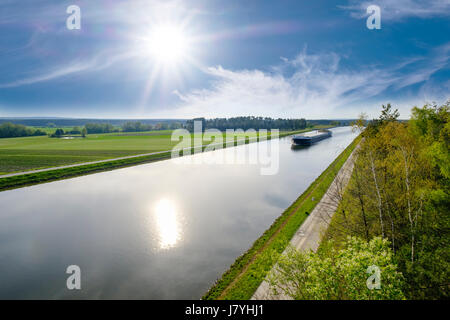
(162, 230)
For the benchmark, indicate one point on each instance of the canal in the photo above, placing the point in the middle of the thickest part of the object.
(163, 230)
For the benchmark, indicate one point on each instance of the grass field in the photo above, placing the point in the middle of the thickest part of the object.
(27, 179)
(28, 153)
(245, 275)
(31, 153)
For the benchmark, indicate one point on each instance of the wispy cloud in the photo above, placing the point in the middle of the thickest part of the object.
(311, 85)
(98, 62)
(395, 10)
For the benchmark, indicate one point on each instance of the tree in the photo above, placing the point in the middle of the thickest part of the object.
(399, 190)
(11, 130)
(99, 127)
(431, 125)
(58, 133)
(360, 123)
(83, 132)
(132, 126)
(75, 130)
(338, 274)
(387, 114)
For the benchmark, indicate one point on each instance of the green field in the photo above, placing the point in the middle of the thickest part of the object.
(31, 153)
(28, 153)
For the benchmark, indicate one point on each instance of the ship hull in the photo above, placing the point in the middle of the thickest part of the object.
(310, 140)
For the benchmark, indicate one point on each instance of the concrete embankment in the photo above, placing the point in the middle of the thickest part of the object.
(309, 234)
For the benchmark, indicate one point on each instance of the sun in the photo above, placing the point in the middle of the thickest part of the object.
(165, 52)
(168, 44)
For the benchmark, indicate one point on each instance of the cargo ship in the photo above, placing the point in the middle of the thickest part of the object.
(309, 138)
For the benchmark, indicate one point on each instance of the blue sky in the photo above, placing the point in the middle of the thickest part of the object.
(312, 59)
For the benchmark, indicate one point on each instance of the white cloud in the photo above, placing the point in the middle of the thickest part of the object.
(395, 10)
(312, 86)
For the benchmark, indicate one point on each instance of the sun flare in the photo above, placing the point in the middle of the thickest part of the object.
(168, 43)
(166, 52)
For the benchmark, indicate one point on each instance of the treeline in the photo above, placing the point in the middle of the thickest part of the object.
(218, 123)
(10, 130)
(137, 126)
(245, 123)
(398, 192)
(249, 123)
(100, 128)
(130, 126)
(76, 130)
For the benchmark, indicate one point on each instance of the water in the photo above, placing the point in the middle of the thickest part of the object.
(154, 231)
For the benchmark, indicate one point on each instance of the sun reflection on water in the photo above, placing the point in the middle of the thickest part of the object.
(167, 223)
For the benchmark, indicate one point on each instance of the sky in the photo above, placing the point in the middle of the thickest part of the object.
(193, 58)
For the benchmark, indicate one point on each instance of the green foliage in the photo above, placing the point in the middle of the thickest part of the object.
(136, 126)
(399, 190)
(388, 114)
(431, 125)
(100, 128)
(250, 123)
(132, 126)
(75, 130)
(338, 274)
(58, 133)
(10, 130)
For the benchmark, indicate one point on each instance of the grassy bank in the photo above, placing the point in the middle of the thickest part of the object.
(244, 276)
(58, 174)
